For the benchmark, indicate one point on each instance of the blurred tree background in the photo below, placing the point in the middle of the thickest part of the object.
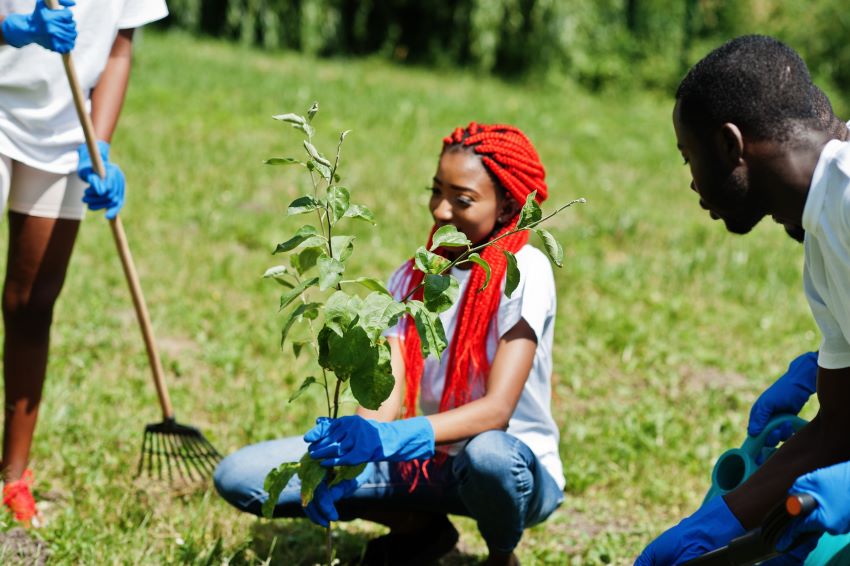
(602, 44)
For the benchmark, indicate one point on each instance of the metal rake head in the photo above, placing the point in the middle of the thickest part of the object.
(169, 446)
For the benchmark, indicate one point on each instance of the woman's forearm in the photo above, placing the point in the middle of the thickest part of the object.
(108, 96)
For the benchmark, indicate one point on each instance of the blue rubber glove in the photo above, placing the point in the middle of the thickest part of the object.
(711, 527)
(349, 441)
(105, 193)
(787, 395)
(831, 489)
(52, 29)
(322, 508)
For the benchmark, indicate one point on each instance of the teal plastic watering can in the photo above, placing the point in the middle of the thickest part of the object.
(735, 466)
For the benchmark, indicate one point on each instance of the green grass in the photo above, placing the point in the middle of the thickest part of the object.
(668, 326)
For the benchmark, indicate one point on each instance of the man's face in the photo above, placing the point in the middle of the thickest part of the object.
(722, 185)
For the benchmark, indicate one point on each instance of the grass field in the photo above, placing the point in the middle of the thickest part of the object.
(668, 327)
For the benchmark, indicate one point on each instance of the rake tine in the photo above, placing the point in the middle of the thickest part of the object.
(210, 456)
(175, 452)
(142, 455)
(158, 455)
(194, 456)
(188, 458)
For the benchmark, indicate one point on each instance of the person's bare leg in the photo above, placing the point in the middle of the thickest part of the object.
(39, 252)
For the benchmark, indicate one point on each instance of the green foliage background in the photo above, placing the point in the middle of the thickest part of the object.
(605, 43)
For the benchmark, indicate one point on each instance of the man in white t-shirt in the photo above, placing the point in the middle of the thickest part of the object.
(746, 120)
(44, 170)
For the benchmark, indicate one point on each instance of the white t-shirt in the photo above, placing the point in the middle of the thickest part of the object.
(826, 275)
(38, 122)
(534, 301)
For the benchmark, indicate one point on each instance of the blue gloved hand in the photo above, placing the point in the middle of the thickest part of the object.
(712, 526)
(322, 508)
(349, 441)
(52, 29)
(103, 193)
(787, 395)
(830, 488)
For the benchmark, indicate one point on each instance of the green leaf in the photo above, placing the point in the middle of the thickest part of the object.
(372, 389)
(379, 312)
(314, 153)
(341, 309)
(306, 310)
(290, 296)
(283, 161)
(339, 199)
(429, 262)
(342, 246)
(343, 473)
(511, 274)
(320, 168)
(304, 386)
(449, 237)
(370, 283)
(530, 212)
(441, 291)
(475, 258)
(347, 355)
(432, 336)
(311, 474)
(330, 271)
(312, 111)
(302, 205)
(304, 233)
(360, 212)
(278, 273)
(297, 347)
(290, 118)
(274, 483)
(552, 246)
(306, 259)
(343, 134)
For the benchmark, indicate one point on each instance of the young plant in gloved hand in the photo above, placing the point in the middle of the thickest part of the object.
(52, 29)
(102, 193)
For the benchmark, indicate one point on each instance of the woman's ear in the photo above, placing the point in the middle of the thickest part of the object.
(510, 207)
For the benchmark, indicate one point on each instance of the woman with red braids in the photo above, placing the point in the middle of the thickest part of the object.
(487, 446)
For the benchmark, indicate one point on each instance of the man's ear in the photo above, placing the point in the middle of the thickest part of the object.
(732, 144)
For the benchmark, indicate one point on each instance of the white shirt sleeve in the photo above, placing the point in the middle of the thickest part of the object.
(137, 13)
(533, 299)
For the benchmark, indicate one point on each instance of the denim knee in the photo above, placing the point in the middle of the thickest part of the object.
(489, 455)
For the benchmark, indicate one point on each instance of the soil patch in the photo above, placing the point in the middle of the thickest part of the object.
(18, 547)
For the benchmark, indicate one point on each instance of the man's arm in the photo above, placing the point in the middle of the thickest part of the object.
(823, 442)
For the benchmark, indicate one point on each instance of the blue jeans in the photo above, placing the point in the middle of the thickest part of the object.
(496, 480)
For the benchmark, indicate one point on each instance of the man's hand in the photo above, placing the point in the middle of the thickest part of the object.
(353, 440)
(831, 489)
(711, 527)
(787, 395)
(52, 29)
(105, 192)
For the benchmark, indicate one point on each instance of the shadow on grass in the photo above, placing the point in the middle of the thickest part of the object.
(300, 543)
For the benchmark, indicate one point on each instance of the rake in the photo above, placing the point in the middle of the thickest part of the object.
(167, 445)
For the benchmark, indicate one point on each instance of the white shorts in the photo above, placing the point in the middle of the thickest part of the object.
(31, 191)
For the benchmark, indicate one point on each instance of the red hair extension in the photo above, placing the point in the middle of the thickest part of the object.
(509, 156)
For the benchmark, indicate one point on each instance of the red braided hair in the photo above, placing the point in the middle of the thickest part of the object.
(513, 162)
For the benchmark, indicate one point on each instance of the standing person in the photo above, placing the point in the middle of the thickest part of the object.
(747, 122)
(44, 170)
(487, 446)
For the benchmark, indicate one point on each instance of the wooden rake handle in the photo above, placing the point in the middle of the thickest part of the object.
(120, 240)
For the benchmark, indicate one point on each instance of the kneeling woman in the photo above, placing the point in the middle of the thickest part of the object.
(487, 446)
